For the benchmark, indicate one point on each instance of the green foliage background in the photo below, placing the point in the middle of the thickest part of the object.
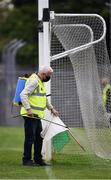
(21, 23)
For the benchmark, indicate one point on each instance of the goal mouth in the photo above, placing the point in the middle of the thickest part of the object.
(79, 59)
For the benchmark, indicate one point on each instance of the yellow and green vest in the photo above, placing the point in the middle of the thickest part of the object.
(104, 94)
(37, 99)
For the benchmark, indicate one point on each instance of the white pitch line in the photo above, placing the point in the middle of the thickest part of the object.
(50, 173)
(48, 169)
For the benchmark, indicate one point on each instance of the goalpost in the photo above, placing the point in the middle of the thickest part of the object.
(74, 45)
(44, 55)
(85, 63)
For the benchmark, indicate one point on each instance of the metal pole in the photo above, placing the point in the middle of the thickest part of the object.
(10, 76)
(108, 4)
(3, 83)
(110, 28)
(44, 54)
(41, 5)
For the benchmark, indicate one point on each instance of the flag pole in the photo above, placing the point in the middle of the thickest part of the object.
(35, 117)
(76, 139)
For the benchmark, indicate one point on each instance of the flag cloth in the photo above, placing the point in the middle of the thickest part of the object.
(57, 133)
(60, 140)
(50, 129)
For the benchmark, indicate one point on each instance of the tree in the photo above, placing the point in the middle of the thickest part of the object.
(19, 3)
(21, 24)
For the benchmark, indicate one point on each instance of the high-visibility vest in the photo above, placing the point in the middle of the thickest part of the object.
(104, 94)
(37, 99)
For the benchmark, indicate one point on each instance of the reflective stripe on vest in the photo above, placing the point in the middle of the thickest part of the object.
(38, 108)
(104, 94)
(37, 99)
(39, 94)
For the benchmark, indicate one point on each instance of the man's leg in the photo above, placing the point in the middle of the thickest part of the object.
(38, 142)
(28, 130)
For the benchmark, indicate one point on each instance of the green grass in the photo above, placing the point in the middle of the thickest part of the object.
(72, 163)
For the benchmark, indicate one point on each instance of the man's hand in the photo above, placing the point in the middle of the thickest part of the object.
(54, 112)
(29, 112)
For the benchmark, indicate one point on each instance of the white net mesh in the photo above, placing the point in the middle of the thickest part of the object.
(76, 84)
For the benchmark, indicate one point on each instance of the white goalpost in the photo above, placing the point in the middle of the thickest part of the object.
(44, 54)
(88, 63)
(74, 45)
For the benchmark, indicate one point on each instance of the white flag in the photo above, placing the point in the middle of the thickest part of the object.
(50, 129)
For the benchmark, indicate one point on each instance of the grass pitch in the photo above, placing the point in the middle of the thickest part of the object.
(65, 165)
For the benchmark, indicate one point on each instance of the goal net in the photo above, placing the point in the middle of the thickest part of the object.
(80, 60)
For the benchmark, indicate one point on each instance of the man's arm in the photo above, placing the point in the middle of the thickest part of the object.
(51, 108)
(48, 105)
